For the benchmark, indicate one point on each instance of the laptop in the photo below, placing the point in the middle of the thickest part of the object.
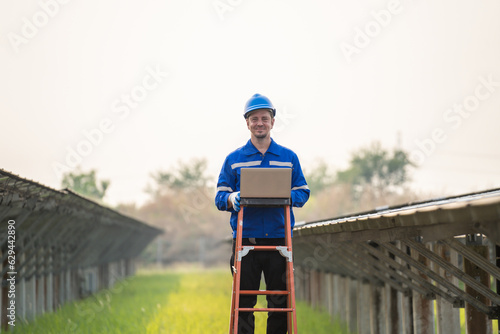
(266, 182)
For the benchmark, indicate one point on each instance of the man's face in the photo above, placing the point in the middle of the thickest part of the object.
(260, 122)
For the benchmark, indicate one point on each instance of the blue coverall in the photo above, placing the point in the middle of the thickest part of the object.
(262, 225)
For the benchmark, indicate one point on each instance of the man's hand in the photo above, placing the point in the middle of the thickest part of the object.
(234, 198)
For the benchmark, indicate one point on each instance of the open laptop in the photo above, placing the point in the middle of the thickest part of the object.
(266, 182)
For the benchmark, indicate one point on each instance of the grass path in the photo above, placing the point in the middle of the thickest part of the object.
(166, 302)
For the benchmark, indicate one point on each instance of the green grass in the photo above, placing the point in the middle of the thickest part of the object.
(126, 308)
(176, 302)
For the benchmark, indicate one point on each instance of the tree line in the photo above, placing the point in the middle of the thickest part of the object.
(181, 200)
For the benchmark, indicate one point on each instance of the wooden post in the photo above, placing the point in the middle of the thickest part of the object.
(448, 317)
(67, 286)
(314, 288)
(324, 291)
(406, 306)
(352, 305)
(394, 311)
(62, 278)
(329, 292)
(337, 302)
(303, 284)
(393, 314)
(476, 322)
(62, 287)
(30, 298)
(342, 300)
(21, 291)
(363, 307)
(106, 275)
(320, 289)
(56, 291)
(423, 309)
(307, 285)
(405, 302)
(40, 282)
(49, 284)
(377, 310)
(297, 272)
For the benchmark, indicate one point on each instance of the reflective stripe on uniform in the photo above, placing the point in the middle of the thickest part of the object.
(280, 163)
(225, 189)
(301, 187)
(246, 164)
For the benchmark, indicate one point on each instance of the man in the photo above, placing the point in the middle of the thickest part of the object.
(262, 225)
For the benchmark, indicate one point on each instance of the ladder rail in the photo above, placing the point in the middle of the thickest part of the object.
(236, 274)
(286, 251)
(292, 317)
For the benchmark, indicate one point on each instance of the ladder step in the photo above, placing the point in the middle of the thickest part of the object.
(265, 248)
(244, 309)
(263, 292)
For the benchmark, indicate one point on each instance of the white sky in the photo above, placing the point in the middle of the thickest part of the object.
(65, 68)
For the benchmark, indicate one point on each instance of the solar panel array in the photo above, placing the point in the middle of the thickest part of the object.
(58, 246)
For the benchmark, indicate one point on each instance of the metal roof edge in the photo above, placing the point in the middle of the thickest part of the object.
(402, 207)
(68, 192)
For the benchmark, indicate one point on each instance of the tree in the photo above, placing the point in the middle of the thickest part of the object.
(319, 177)
(186, 177)
(182, 204)
(377, 168)
(85, 184)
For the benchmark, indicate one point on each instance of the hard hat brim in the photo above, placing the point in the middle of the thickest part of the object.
(248, 113)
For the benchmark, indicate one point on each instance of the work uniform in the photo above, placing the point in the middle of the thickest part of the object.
(262, 225)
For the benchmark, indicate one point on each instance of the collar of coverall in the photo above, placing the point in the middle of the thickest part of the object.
(250, 149)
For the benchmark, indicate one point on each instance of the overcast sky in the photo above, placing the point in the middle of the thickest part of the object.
(132, 87)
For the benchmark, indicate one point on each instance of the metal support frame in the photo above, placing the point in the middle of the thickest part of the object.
(26, 268)
(27, 240)
(393, 274)
(474, 257)
(364, 265)
(344, 266)
(436, 277)
(470, 281)
(429, 290)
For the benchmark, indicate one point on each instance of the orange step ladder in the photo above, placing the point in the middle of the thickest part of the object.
(285, 250)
